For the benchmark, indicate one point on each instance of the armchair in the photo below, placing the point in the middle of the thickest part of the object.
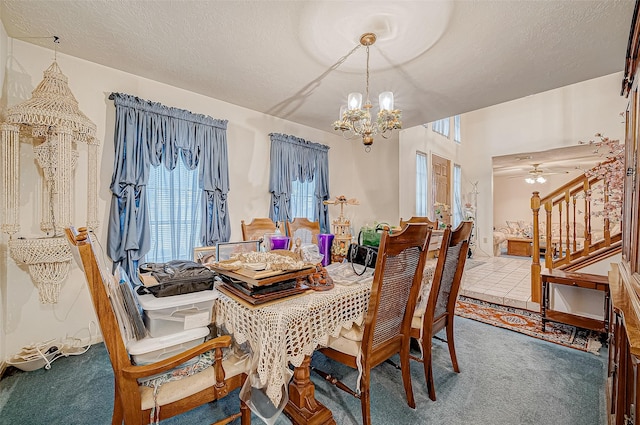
(135, 403)
(303, 225)
(415, 219)
(258, 228)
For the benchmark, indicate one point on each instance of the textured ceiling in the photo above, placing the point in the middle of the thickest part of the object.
(571, 160)
(286, 58)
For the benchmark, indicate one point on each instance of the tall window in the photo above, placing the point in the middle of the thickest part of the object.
(441, 126)
(174, 201)
(298, 180)
(456, 128)
(457, 195)
(421, 184)
(303, 199)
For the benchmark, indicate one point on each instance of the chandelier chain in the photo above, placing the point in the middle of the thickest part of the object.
(368, 101)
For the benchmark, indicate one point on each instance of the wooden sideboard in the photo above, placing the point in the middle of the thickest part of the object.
(622, 390)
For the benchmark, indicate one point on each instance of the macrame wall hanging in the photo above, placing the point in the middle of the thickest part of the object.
(52, 121)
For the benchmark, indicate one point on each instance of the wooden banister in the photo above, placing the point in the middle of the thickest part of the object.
(564, 206)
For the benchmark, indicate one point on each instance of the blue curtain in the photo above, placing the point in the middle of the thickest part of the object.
(293, 159)
(150, 134)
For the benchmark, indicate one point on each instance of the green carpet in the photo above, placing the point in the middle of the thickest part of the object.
(506, 378)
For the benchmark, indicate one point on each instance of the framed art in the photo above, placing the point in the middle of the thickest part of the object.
(204, 254)
(224, 250)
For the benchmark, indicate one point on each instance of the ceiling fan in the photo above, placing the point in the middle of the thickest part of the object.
(536, 175)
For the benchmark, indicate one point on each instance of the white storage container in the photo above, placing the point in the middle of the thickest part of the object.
(168, 315)
(149, 350)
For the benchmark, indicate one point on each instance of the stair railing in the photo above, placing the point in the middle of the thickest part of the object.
(566, 234)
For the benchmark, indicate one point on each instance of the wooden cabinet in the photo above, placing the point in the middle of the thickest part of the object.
(623, 393)
(624, 351)
(519, 246)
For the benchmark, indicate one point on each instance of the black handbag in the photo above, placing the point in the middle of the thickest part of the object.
(363, 255)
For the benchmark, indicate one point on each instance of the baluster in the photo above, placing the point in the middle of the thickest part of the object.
(567, 200)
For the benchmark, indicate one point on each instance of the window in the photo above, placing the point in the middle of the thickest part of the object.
(174, 200)
(441, 126)
(421, 184)
(457, 195)
(456, 129)
(303, 199)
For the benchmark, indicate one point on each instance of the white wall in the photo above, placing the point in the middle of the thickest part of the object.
(370, 177)
(425, 140)
(512, 196)
(539, 122)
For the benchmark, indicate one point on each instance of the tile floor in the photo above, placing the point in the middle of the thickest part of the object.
(504, 280)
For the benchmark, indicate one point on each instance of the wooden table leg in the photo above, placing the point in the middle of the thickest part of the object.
(303, 408)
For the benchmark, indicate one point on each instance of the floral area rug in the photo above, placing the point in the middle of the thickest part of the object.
(528, 323)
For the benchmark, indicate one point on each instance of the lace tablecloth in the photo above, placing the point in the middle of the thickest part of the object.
(287, 331)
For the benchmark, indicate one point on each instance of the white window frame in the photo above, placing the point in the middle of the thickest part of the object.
(303, 202)
(422, 183)
(180, 209)
(458, 215)
(441, 127)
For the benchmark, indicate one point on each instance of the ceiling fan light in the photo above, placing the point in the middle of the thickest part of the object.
(541, 179)
(530, 180)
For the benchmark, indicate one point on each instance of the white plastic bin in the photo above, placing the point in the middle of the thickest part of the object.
(149, 350)
(168, 315)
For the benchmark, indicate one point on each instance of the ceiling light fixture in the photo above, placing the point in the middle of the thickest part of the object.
(538, 179)
(355, 118)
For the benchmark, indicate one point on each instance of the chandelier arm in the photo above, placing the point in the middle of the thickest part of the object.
(348, 134)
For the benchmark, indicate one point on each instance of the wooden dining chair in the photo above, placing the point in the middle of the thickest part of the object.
(416, 219)
(396, 281)
(441, 304)
(258, 228)
(303, 223)
(135, 403)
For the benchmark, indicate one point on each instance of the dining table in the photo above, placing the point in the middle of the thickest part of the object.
(288, 331)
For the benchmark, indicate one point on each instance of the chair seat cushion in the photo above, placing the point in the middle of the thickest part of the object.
(416, 322)
(178, 389)
(349, 341)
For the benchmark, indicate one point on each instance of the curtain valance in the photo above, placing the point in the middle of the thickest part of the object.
(120, 99)
(293, 158)
(149, 133)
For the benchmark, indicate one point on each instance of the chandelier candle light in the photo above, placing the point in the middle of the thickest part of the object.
(355, 118)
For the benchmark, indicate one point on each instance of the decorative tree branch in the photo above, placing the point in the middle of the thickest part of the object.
(611, 171)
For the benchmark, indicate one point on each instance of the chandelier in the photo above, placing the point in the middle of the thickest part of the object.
(355, 118)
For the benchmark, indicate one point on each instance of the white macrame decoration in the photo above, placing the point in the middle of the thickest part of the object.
(55, 124)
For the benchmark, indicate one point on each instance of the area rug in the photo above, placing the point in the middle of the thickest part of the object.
(528, 323)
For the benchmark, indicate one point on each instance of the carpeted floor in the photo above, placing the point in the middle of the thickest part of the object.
(528, 323)
(506, 378)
